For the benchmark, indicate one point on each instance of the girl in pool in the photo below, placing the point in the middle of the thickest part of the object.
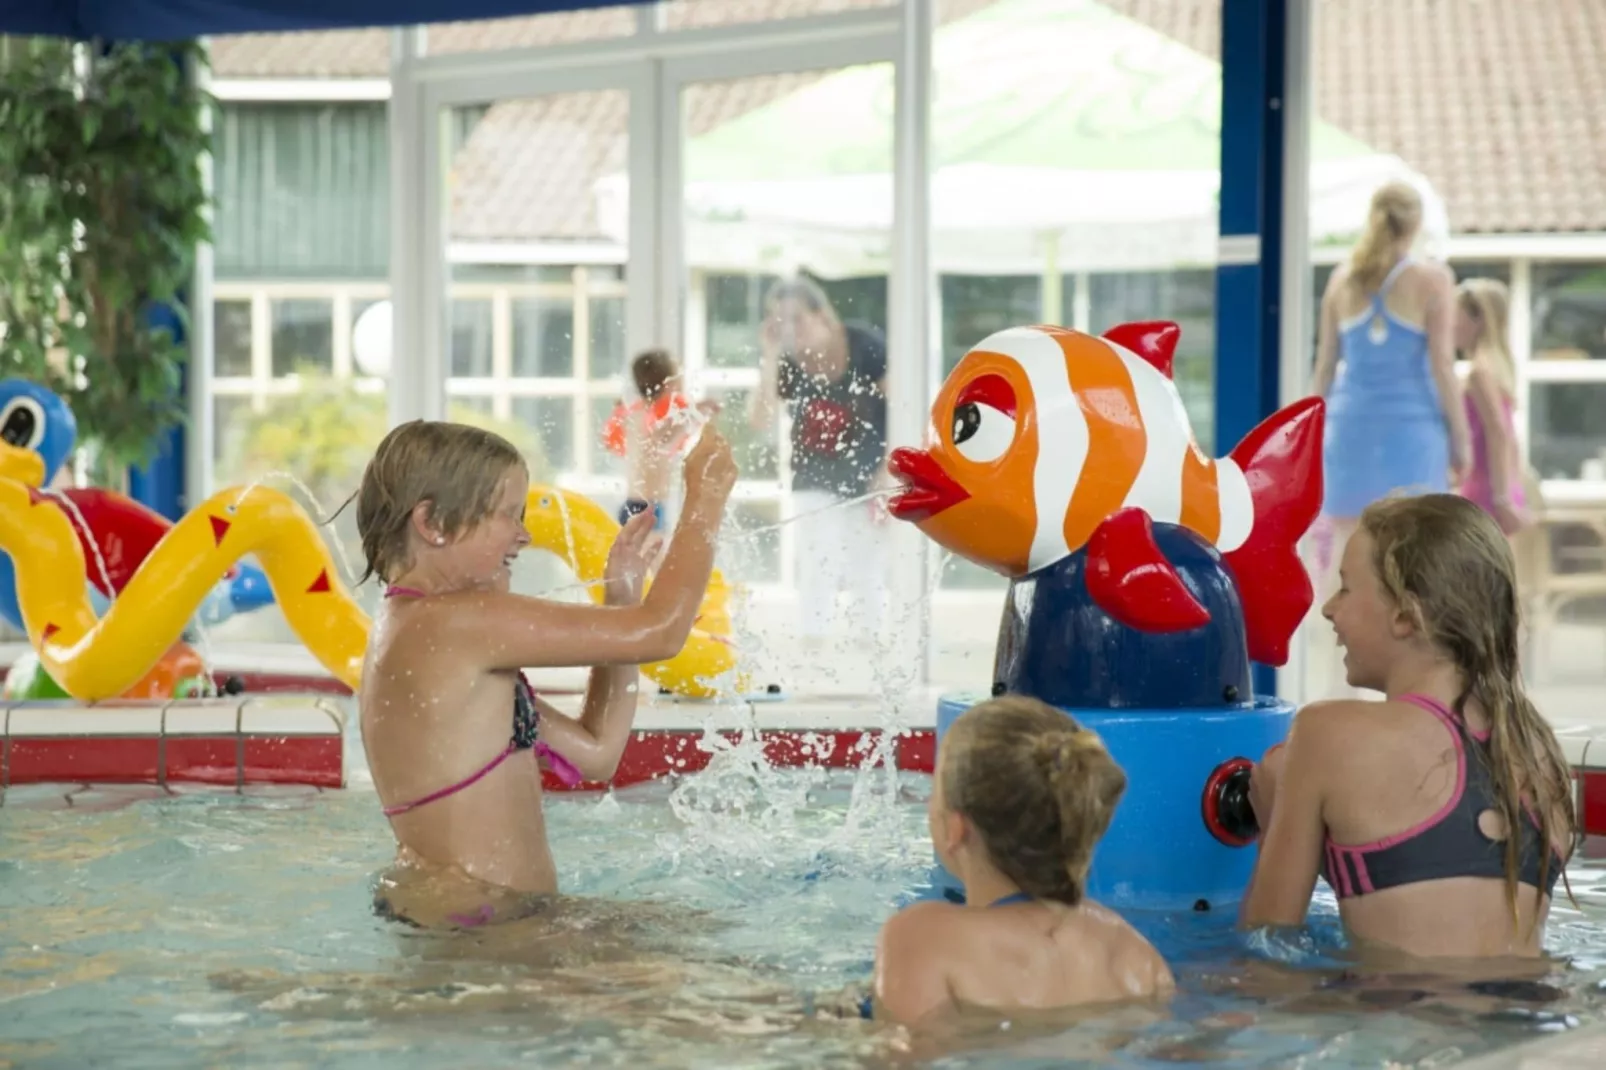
(445, 711)
(1442, 815)
(1022, 795)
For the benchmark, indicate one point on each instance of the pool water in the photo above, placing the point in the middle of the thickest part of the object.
(715, 922)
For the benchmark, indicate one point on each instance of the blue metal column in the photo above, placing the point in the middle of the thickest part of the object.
(1249, 276)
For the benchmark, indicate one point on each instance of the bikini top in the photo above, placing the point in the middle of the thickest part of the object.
(526, 723)
(1448, 844)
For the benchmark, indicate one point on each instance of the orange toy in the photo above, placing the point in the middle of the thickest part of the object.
(180, 663)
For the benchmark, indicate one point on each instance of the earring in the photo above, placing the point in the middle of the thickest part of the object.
(440, 540)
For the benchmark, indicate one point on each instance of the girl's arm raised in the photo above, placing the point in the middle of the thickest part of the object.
(509, 631)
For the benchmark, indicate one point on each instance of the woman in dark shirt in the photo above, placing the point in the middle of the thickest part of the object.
(832, 375)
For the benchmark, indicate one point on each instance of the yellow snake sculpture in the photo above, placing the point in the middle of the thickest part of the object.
(94, 659)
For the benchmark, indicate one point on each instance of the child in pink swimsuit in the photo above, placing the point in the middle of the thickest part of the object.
(446, 714)
(1495, 478)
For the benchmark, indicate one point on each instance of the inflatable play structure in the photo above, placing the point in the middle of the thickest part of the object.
(1145, 577)
(114, 533)
(158, 574)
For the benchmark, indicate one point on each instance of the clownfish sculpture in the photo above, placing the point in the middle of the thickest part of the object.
(1046, 441)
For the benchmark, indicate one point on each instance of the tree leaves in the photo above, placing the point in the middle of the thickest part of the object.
(100, 213)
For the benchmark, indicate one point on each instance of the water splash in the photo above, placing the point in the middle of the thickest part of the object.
(313, 506)
(77, 517)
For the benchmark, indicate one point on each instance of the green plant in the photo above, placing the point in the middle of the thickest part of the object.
(102, 205)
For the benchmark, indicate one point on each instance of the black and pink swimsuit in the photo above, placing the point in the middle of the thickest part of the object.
(1448, 844)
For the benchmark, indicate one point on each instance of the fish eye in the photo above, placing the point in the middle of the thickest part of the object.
(984, 419)
(22, 423)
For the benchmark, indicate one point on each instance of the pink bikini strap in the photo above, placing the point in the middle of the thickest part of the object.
(1444, 713)
(394, 591)
(452, 789)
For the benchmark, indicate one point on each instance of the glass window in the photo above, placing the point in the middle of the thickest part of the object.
(552, 421)
(757, 452)
(1187, 297)
(303, 335)
(543, 338)
(471, 339)
(1569, 311)
(231, 338)
(750, 547)
(975, 306)
(1567, 430)
(607, 337)
(735, 310)
(230, 430)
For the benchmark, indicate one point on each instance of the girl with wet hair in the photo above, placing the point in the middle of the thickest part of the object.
(1021, 797)
(1441, 816)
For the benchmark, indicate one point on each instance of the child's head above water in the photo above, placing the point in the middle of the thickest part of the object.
(1024, 788)
(445, 496)
(1427, 573)
(654, 372)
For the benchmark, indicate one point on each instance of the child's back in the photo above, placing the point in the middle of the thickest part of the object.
(1021, 796)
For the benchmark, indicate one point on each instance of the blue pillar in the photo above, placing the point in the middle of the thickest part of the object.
(1248, 281)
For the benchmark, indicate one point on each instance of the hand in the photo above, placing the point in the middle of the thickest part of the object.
(634, 554)
(710, 469)
(1264, 779)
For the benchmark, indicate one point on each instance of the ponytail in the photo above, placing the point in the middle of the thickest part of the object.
(1395, 215)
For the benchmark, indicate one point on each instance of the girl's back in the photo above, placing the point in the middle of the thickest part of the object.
(1408, 799)
(1383, 344)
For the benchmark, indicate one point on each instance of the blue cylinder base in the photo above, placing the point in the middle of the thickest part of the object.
(1158, 854)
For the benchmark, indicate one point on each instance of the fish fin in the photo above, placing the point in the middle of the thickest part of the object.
(1153, 340)
(1281, 460)
(1132, 581)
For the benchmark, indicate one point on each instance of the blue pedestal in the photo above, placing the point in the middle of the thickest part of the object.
(1158, 853)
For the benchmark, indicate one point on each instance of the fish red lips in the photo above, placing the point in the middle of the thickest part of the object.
(928, 490)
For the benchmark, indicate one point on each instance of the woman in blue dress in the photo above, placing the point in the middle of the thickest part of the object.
(1385, 362)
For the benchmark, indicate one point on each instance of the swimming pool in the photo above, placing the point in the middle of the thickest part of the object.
(201, 928)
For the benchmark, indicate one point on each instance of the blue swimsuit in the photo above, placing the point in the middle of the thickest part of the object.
(866, 1007)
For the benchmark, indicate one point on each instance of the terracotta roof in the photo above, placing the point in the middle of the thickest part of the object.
(1501, 105)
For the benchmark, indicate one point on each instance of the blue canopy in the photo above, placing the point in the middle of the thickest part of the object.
(174, 20)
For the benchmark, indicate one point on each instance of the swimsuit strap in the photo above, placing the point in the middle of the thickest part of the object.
(452, 789)
(1018, 897)
(394, 591)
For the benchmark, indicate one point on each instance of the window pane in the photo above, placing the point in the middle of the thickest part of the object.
(1189, 299)
(757, 453)
(471, 339)
(975, 306)
(1567, 430)
(230, 416)
(1569, 311)
(750, 546)
(543, 338)
(552, 421)
(607, 337)
(470, 409)
(735, 311)
(303, 335)
(231, 341)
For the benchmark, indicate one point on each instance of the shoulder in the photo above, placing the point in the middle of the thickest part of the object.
(1321, 728)
(914, 932)
(1433, 275)
(1336, 281)
(864, 338)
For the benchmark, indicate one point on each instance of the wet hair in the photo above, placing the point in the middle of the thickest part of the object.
(805, 291)
(1445, 564)
(1396, 214)
(1038, 788)
(457, 468)
(1488, 303)
(651, 369)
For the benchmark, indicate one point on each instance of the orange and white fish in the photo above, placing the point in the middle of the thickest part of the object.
(1046, 440)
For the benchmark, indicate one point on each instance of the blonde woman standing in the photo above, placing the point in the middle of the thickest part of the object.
(1494, 480)
(1385, 363)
